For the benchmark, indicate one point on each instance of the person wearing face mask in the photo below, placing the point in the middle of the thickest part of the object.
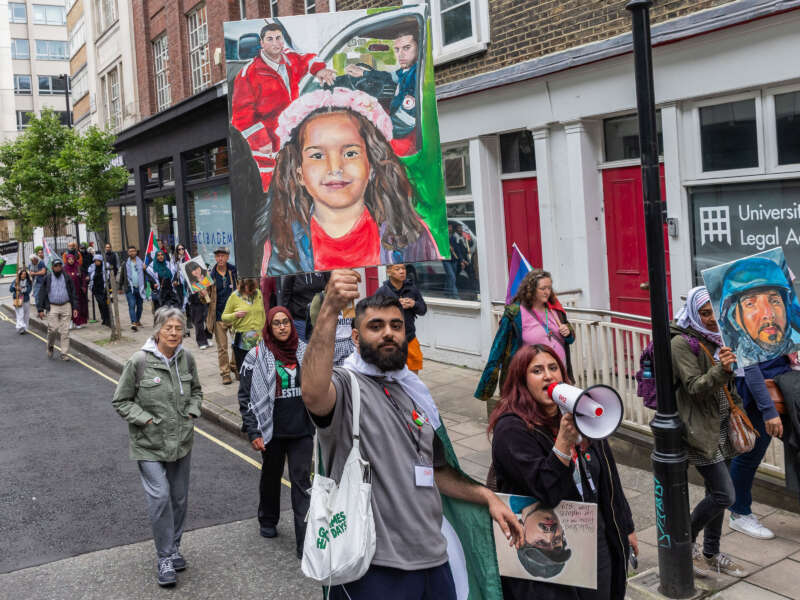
(275, 419)
(535, 452)
(704, 392)
(534, 317)
(159, 395)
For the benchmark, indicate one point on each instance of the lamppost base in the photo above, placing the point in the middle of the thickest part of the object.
(645, 586)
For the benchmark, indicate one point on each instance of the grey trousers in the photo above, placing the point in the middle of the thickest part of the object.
(166, 485)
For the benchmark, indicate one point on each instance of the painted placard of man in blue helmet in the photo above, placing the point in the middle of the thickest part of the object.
(756, 306)
(544, 552)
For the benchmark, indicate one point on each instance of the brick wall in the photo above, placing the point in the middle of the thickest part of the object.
(526, 29)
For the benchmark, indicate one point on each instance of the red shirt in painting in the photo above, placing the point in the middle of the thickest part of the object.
(359, 246)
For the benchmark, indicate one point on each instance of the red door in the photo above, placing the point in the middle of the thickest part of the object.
(625, 240)
(521, 205)
(372, 281)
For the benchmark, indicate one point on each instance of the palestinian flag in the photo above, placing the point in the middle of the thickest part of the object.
(153, 246)
(470, 540)
(49, 255)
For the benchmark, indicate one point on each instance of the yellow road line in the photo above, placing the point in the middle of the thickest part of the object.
(208, 436)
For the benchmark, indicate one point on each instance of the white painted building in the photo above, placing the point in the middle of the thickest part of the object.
(727, 85)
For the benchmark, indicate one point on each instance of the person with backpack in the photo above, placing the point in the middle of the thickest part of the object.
(703, 371)
(535, 316)
(159, 395)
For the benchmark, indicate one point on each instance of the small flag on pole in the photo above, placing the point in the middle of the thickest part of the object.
(152, 247)
(516, 272)
(49, 255)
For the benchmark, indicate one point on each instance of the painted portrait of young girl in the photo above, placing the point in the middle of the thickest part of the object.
(340, 196)
(197, 275)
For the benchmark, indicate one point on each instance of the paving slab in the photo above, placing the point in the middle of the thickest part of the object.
(781, 578)
(746, 591)
(784, 524)
(759, 552)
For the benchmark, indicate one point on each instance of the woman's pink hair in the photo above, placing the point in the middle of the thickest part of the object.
(516, 399)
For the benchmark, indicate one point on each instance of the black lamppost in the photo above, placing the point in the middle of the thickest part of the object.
(669, 456)
(65, 77)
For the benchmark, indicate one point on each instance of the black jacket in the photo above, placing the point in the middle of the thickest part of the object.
(408, 290)
(111, 259)
(297, 292)
(43, 299)
(525, 464)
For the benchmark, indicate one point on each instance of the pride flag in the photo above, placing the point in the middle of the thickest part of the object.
(516, 272)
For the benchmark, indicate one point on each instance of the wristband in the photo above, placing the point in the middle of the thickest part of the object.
(561, 454)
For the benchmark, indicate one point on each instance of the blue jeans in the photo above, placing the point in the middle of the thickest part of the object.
(450, 279)
(300, 326)
(134, 305)
(744, 466)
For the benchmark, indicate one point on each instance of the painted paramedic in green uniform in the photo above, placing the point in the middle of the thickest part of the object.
(403, 107)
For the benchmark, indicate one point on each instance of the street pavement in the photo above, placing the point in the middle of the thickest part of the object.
(771, 564)
(73, 521)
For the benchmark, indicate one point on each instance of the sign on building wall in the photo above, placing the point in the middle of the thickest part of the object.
(212, 225)
(335, 154)
(733, 221)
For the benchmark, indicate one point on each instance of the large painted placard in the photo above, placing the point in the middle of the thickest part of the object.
(335, 155)
(756, 306)
(560, 543)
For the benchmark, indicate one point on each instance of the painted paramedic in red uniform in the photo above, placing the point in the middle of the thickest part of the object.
(263, 88)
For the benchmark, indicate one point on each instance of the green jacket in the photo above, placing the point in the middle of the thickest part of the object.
(697, 380)
(170, 396)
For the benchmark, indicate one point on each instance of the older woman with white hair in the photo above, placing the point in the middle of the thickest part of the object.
(159, 395)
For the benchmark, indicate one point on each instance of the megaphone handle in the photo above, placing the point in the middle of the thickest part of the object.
(580, 438)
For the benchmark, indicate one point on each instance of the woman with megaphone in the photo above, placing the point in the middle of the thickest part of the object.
(703, 368)
(536, 452)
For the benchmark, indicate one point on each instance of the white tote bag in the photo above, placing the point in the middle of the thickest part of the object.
(340, 530)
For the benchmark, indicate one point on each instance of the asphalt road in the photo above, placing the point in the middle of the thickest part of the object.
(73, 522)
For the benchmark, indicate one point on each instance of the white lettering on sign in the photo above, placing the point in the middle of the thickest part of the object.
(761, 241)
(748, 213)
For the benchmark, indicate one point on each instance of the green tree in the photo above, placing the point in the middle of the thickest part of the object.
(11, 201)
(88, 158)
(43, 183)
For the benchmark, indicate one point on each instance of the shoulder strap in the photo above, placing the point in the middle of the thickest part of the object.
(731, 404)
(355, 391)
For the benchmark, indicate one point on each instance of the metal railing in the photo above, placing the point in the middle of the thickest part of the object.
(607, 351)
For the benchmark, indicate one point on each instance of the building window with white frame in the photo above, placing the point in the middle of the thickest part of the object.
(729, 136)
(52, 50)
(17, 12)
(311, 7)
(106, 11)
(20, 49)
(46, 14)
(198, 49)
(23, 118)
(460, 28)
(22, 85)
(79, 86)
(161, 62)
(456, 278)
(787, 125)
(50, 84)
(111, 89)
(77, 38)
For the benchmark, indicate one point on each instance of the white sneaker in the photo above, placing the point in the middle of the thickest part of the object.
(750, 525)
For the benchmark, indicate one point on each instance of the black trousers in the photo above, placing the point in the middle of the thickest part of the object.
(298, 451)
(238, 356)
(709, 513)
(198, 314)
(102, 305)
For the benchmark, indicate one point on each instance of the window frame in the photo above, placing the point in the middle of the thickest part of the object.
(475, 43)
(14, 55)
(310, 6)
(105, 19)
(47, 8)
(17, 90)
(12, 18)
(65, 56)
(76, 83)
(51, 91)
(160, 47)
(110, 101)
(696, 155)
(771, 129)
(78, 31)
(19, 116)
(198, 49)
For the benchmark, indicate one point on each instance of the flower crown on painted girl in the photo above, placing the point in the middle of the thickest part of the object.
(355, 100)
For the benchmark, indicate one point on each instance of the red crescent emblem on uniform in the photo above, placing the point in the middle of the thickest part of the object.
(409, 102)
